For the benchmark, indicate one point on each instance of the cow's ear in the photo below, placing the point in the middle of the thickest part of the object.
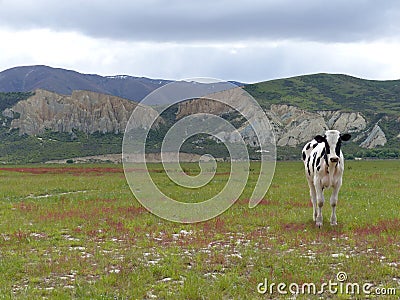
(319, 138)
(345, 137)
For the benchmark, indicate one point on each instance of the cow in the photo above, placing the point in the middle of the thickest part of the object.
(324, 166)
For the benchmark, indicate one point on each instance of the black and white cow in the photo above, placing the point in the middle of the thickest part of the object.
(324, 166)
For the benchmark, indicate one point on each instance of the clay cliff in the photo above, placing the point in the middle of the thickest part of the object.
(84, 111)
(91, 112)
(294, 126)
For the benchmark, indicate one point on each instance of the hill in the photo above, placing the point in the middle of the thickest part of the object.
(330, 92)
(39, 125)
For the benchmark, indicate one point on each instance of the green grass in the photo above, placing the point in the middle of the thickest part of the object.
(77, 232)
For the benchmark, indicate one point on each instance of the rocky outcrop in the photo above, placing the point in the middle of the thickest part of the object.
(192, 107)
(375, 138)
(292, 126)
(84, 111)
(344, 121)
(295, 126)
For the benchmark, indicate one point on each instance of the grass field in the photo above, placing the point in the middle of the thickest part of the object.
(77, 232)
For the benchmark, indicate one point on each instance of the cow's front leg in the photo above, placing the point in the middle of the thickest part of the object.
(313, 196)
(320, 204)
(333, 201)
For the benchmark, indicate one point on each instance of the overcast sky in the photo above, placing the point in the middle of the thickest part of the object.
(248, 41)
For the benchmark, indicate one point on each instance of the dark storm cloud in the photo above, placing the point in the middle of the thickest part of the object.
(209, 20)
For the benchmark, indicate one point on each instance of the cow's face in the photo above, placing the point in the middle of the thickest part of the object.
(333, 141)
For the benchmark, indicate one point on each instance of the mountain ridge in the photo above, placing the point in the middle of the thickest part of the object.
(62, 81)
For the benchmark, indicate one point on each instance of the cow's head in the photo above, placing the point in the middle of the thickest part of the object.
(333, 141)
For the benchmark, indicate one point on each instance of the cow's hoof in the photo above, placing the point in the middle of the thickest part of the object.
(318, 224)
(334, 223)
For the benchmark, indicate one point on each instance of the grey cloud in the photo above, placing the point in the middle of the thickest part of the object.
(250, 64)
(209, 20)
